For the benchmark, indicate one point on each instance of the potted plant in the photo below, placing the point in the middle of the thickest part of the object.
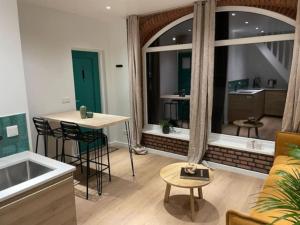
(286, 194)
(165, 126)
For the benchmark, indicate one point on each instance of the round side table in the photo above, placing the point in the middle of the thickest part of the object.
(171, 175)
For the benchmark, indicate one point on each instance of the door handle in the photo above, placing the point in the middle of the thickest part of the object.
(82, 74)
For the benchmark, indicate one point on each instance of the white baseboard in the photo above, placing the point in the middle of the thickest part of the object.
(184, 158)
(167, 154)
(118, 144)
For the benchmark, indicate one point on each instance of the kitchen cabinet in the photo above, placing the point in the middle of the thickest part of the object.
(241, 106)
(275, 102)
(48, 204)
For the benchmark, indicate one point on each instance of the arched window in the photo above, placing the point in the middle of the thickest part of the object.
(252, 64)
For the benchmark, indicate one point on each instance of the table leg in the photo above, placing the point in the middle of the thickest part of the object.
(128, 134)
(238, 131)
(249, 132)
(200, 193)
(167, 193)
(256, 132)
(192, 202)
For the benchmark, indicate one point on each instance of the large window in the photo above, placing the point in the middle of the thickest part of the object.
(252, 65)
(251, 78)
(168, 73)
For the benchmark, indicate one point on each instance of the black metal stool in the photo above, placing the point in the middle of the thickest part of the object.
(72, 132)
(43, 128)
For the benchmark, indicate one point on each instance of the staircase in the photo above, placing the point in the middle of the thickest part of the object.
(279, 54)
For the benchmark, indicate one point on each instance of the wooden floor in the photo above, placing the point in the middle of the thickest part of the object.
(267, 132)
(139, 200)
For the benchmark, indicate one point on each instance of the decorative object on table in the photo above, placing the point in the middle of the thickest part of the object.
(83, 112)
(251, 120)
(165, 125)
(89, 114)
(190, 171)
(182, 93)
(285, 192)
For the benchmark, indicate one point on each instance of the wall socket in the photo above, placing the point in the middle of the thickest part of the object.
(66, 100)
(12, 131)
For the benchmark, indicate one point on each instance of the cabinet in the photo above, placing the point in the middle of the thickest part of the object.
(275, 102)
(242, 106)
(52, 203)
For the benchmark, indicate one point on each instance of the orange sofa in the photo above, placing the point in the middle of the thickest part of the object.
(280, 163)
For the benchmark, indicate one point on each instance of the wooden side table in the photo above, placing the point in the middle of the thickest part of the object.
(171, 175)
(243, 124)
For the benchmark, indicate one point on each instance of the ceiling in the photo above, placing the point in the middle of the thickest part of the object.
(119, 8)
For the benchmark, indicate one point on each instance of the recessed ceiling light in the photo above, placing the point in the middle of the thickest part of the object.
(174, 38)
(189, 30)
(246, 22)
(233, 14)
(262, 31)
(257, 28)
(108, 7)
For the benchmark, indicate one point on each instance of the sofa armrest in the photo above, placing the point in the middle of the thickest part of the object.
(236, 218)
(283, 139)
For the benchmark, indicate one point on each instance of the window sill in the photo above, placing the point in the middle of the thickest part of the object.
(219, 140)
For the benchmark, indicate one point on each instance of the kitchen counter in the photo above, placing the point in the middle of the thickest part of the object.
(255, 91)
(56, 169)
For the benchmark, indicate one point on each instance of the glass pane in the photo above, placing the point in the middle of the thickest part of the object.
(230, 25)
(168, 87)
(250, 87)
(180, 34)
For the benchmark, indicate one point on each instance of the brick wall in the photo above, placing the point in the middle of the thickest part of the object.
(230, 157)
(165, 144)
(241, 159)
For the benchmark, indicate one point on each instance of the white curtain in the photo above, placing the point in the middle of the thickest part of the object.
(202, 78)
(291, 117)
(134, 66)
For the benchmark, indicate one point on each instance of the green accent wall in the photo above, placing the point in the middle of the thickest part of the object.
(13, 145)
(238, 84)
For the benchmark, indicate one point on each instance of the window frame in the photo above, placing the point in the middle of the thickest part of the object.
(213, 137)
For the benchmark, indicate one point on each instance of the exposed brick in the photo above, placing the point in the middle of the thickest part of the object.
(251, 163)
(246, 159)
(260, 170)
(262, 162)
(262, 157)
(244, 162)
(244, 167)
(246, 154)
(230, 156)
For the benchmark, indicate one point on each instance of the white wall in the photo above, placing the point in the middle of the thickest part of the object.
(12, 83)
(48, 36)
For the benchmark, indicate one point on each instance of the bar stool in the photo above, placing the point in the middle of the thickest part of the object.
(43, 128)
(72, 132)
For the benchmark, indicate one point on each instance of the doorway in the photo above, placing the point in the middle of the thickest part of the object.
(87, 80)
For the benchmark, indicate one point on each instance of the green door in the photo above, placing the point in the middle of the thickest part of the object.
(87, 80)
(184, 82)
(87, 83)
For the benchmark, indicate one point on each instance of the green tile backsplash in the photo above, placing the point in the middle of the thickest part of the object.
(12, 145)
(238, 84)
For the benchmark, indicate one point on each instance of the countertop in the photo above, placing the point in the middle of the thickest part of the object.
(254, 91)
(58, 169)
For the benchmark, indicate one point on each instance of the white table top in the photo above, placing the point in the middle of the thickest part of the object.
(97, 122)
(176, 97)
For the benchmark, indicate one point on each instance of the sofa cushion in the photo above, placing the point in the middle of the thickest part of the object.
(267, 191)
(285, 160)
